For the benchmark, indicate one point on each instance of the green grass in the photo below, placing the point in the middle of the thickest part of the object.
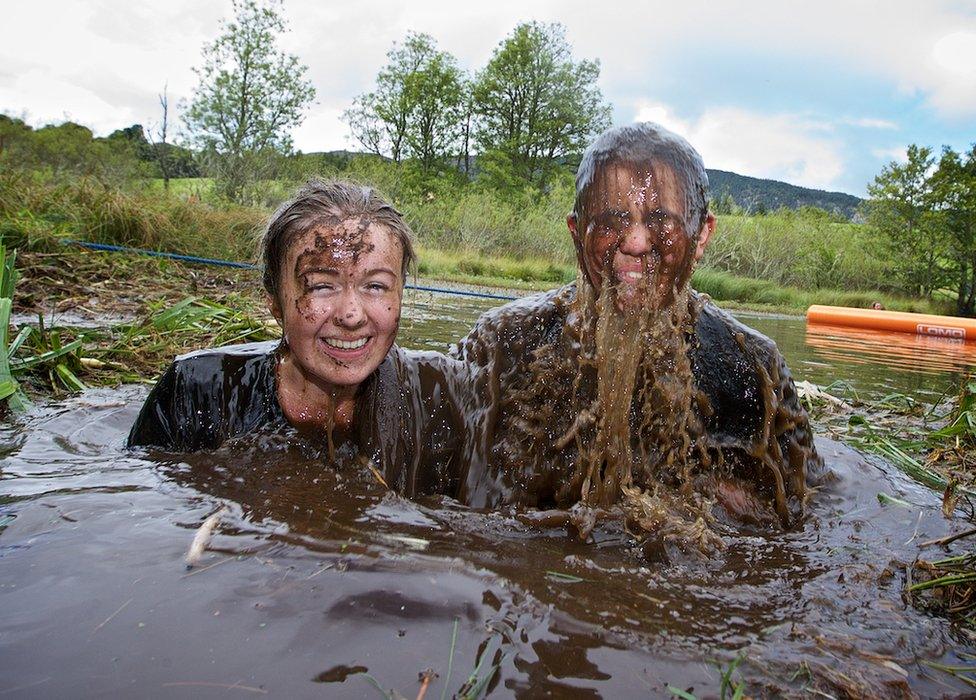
(725, 287)
(52, 360)
(781, 262)
(470, 267)
(38, 214)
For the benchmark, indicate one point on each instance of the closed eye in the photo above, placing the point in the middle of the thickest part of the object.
(317, 282)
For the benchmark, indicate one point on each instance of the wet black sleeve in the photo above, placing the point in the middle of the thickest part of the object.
(180, 414)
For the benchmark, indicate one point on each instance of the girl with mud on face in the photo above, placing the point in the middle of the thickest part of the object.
(335, 261)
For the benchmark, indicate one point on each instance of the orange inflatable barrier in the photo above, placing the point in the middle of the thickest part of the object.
(901, 321)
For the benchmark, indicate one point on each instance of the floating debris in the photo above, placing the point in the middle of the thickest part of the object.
(809, 392)
(202, 538)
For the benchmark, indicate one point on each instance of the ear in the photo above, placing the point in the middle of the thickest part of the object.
(704, 235)
(572, 223)
(275, 308)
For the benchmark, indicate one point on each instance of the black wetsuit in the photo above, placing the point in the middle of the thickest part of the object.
(418, 417)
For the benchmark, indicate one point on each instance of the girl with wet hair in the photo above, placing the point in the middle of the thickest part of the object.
(335, 263)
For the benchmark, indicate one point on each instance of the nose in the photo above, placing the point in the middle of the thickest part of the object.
(636, 241)
(350, 313)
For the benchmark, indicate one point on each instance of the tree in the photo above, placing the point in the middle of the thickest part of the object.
(417, 107)
(15, 139)
(954, 196)
(901, 210)
(161, 151)
(725, 204)
(250, 95)
(534, 105)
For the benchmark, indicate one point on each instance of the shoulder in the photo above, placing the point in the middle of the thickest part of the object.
(227, 355)
(729, 360)
(207, 395)
(724, 339)
(209, 365)
(519, 325)
(427, 372)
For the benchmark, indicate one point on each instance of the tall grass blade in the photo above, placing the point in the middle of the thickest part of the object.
(9, 387)
(48, 356)
(450, 659)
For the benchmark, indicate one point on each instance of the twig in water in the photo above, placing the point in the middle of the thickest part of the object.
(226, 686)
(5, 691)
(109, 618)
(207, 568)
(949, 539)
(202, 538)
(426, 676)
(376, 473)
(953, 670)
(918, 521)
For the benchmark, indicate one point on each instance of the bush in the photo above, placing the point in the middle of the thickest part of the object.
(722, 286)
(802, 249)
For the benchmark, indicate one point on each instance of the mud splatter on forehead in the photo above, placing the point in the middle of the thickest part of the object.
(327, 204)
(343, 240)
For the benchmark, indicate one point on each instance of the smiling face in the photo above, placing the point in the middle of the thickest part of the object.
(338, 304)
(634, 233)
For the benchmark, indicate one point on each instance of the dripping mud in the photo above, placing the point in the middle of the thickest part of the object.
(317, 576)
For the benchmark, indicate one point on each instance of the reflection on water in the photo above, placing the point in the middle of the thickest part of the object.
(873, 363)
(434, 321)
(899, 351)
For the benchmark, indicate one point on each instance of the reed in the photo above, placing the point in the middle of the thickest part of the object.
(52, 360)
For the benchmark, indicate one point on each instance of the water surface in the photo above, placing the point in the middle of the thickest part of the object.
(316, 578)
(872, 363)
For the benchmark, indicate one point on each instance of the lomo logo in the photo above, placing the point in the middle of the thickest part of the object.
(943, 331)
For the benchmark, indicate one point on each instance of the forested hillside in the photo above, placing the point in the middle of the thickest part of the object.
(755, 195)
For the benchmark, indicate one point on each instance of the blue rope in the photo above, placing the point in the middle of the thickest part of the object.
(249, 266)
(157, 254)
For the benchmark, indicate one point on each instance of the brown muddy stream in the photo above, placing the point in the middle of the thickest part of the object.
(318, 583)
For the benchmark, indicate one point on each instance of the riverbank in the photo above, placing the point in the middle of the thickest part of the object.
(92, 292)
(781, 262)
(727, 290)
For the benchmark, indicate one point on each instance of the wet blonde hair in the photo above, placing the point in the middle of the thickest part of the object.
(328, 203)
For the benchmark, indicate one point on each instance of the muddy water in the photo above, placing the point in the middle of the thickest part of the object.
(315, 579)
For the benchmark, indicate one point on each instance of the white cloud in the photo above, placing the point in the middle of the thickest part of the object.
(60, 57)
(899, 154)
(786, 147)
(893, 41)
(956, 52)
(871, 123)
(323, 130)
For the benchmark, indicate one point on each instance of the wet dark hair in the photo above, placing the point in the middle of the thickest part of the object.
(638, 145)
(328, 203)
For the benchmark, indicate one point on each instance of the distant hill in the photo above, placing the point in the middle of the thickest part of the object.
(752, 194)
(755, 194)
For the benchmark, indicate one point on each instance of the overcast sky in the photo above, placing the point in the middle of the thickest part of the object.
(820, 94)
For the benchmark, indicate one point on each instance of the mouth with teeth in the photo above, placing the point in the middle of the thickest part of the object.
(631, 276)
(635, 285)
(343, 349)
